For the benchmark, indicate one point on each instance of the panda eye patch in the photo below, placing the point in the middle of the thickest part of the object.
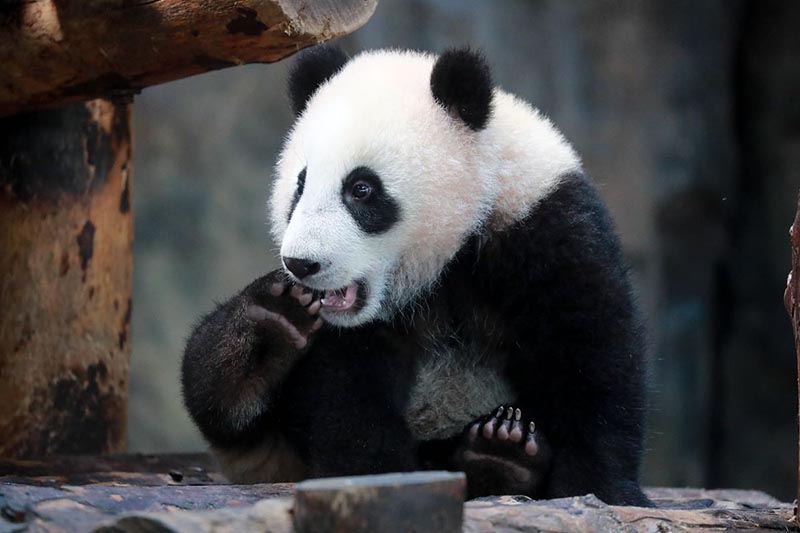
(370, 205)
(298, 192)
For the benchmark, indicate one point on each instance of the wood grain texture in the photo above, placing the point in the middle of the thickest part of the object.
(71, 500)
(391, 503)
(55, 52)
(66, 230)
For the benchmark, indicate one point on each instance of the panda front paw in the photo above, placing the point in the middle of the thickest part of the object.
(504, 454)
(279, 308)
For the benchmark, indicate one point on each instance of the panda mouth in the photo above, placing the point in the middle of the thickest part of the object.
(350, 298)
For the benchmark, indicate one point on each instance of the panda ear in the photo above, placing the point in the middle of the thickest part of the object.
(313, 67)
(461, 82)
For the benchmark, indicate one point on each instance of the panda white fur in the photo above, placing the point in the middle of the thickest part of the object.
(453, 296)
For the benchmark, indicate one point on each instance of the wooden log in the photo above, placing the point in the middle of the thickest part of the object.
(131, 469)
(792, 300)
(391, 503)
(55, 52)
(681, 511)
(65, 503)
(66, 230)
(117, 509)
(81, 508)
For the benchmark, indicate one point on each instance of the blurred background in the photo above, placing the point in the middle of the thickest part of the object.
(687, 114)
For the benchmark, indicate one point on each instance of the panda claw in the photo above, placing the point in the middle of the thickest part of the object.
(296, 291)
(305, 299)
(316, 325)
(313, 309)
(506, 429)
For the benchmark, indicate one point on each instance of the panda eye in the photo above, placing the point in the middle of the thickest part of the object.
(361, 190)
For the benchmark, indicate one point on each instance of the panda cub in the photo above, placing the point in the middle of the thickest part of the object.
(453, 296)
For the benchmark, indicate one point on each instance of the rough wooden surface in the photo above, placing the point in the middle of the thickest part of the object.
(390, 503)
(55, 52)
(66, 230)
(131, 469)
(173, 504)
(679, 510)
(792, 300)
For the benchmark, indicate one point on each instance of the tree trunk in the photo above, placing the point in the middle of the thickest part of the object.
(56, 52)
(66, 230)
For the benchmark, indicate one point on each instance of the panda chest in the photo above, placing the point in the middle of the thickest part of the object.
(455, 383)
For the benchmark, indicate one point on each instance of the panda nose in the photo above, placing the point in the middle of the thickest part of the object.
(301, 267)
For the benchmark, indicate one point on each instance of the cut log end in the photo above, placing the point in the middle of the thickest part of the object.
(418, 501)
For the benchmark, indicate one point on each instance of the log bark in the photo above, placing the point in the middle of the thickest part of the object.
(792, 300)
(64, 502)
(56, 52)
(258, 508)
(66, 230)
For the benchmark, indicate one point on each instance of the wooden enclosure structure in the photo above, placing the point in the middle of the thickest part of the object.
(69, 71)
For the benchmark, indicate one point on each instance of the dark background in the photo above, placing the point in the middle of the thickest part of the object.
(687, 114)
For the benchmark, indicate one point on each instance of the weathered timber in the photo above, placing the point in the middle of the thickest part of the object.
(682, 511)
(131, 469)
(66, 230)
(391, 503)
(81, 508)
(172, 505)
(56, 52)
(792, 300)
(678, 510)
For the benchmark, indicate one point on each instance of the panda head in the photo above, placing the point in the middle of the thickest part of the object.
(380, 180)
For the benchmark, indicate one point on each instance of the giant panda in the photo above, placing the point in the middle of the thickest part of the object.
(453, 296)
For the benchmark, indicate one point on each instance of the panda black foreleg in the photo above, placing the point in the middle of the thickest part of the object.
(240, 353)
(504, 453)
(344, 403)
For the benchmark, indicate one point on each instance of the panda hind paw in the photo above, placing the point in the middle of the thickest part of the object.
(503, 453)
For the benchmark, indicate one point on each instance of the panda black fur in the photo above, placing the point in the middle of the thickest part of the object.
(476, 267)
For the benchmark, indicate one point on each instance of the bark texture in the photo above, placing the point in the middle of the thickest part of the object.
(56, 52)
(66, 230)
(792, 300)
(259, 508)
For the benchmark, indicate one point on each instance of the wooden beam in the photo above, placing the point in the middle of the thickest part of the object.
(66, 234)
(792, 300)
(54, 52)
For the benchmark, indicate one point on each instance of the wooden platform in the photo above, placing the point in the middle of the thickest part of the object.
(184, 493)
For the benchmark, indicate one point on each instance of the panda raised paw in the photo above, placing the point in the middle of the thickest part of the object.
(274, 302)
(504, 454)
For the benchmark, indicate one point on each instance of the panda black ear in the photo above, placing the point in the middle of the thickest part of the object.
(461, 82)
(313, 67)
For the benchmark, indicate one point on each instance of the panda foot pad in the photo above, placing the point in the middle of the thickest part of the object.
(504, 454)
